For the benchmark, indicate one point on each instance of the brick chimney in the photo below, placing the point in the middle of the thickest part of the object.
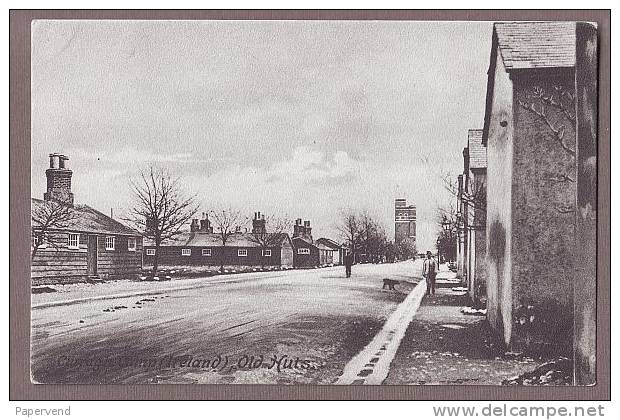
(307, 230)
(59, 179)
(205, 224)
(258, 223)
(298, 229)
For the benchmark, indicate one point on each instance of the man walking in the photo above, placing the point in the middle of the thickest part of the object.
(348, 262)
(429, 272)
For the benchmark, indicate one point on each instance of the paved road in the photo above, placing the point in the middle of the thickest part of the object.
(285, 327)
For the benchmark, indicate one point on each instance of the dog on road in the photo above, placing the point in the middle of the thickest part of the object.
(389, 283)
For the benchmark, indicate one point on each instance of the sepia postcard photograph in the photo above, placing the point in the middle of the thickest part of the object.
(313, 202)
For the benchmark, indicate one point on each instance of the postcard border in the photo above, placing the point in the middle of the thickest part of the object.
(22, 389)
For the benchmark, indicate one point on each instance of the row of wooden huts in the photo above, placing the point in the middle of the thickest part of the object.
(74, 242)
(201, 246)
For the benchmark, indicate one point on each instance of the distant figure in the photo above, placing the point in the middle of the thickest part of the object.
(348, 262)
(429, 272)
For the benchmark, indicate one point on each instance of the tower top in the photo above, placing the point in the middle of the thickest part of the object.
(402, 203)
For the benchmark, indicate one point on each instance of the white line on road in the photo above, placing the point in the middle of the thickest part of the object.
(371, 366)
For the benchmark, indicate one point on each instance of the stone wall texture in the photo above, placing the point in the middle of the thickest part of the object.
(543, 196)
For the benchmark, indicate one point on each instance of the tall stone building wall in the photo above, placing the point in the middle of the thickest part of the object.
(499, 133)
(543, 198)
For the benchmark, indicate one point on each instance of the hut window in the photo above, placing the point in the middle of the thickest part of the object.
(242, 253)
(131, 244)
(303, 251)
(206, 252)
(110, 241)
(150, 251)
(186, 252)
(74, 240)
(266, 253)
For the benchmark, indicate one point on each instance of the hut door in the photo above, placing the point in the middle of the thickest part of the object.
(92, 255)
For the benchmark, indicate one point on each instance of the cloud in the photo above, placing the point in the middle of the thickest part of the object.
(296, 178)
(310, 166)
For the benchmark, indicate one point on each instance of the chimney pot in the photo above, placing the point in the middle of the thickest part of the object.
(55, 160)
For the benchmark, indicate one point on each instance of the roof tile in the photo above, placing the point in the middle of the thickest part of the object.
(87, 219)
(527, 45)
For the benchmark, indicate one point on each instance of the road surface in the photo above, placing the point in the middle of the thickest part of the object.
(299, 326)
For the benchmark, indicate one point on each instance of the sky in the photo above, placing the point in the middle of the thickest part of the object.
(291, 118)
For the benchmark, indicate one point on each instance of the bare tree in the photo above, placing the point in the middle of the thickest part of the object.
(227, 222)
(449, 224)
(47, 218)
(350, 229)
(366, 231)
(161, 208)
(372, 237)
(272, 233)
(472, 193)
(446, 215)
(364, 234)
(377, 243)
